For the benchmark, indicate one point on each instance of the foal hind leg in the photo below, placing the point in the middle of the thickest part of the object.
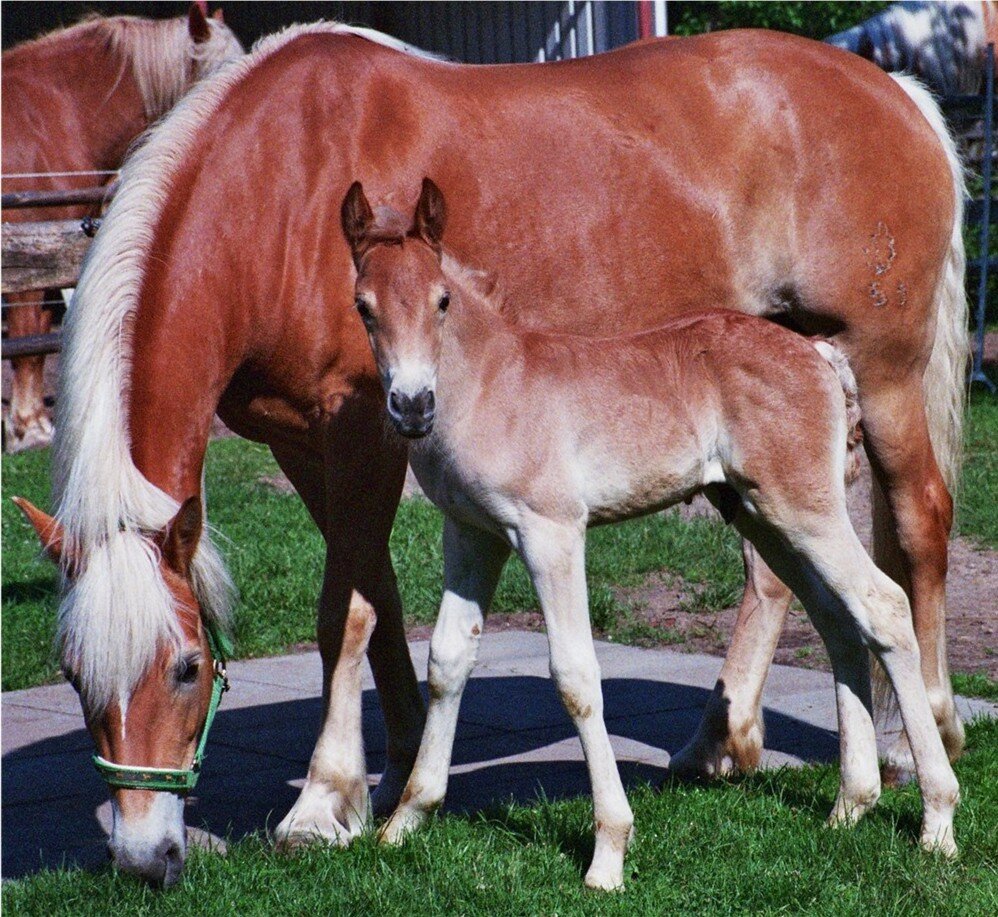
(555, 557)
(854, 603)
(473, 562)
(730, 735)
(28, 424)
(913, 514)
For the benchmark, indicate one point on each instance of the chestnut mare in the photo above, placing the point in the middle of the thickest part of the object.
(73, 101)
(528, 438)
(755, 171)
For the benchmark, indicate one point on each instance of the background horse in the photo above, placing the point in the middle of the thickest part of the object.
(757, 171)
(942, 44)
(526, 439)
(73, 101)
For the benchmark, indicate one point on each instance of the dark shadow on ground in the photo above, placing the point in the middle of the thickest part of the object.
(51, 791)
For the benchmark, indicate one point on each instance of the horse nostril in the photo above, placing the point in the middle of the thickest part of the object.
(394, 402)
(431, 402)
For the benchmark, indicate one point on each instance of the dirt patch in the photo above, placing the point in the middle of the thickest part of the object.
(662, 603)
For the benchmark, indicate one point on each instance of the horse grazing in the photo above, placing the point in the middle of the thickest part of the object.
(753, 170)
(74, 100)
(527, 438)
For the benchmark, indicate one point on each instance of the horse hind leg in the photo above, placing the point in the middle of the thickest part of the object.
(913, 514)
(729, 737)
(27, 424)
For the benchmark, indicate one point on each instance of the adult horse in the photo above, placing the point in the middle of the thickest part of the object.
(754, 170)
(73, 101)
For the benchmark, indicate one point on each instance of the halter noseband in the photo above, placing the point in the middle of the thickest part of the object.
(130, 777)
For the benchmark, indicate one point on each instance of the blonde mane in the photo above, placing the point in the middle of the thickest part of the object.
(116, 610)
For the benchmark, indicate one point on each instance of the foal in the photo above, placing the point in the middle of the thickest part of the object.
(525, 439)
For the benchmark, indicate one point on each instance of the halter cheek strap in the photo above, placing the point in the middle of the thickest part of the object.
(130, 777)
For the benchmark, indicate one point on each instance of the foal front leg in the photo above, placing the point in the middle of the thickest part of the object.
(555, 557)
(473, 562)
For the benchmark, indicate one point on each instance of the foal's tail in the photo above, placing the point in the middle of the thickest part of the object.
(854, 432)
(945, 379)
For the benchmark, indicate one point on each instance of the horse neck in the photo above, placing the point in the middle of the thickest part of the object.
(97, 95)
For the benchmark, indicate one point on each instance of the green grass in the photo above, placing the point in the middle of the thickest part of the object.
(975, 685)
(977, 509)
(275, 554)
(757, 846)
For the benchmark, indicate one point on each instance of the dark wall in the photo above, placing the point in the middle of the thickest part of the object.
(488, 32)
(22, 21)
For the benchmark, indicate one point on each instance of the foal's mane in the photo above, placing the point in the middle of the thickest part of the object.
(159, 53)
(117, 610)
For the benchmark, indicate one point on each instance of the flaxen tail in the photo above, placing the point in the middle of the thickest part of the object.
(945, 380)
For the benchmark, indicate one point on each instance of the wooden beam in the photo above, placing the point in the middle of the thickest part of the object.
(39, 256)
(20, 199)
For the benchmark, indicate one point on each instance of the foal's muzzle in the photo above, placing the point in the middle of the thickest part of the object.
(412, 414)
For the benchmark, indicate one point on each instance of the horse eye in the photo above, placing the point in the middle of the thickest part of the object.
(444, 302)
(363, 309)
(186, 671)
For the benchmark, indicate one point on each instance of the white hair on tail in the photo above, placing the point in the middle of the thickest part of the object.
(116, 608)
(945, 380)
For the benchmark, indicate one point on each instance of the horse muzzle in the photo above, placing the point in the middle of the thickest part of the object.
(153, 846)
(412, 415)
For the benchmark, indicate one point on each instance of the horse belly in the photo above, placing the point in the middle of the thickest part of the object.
(620, 478)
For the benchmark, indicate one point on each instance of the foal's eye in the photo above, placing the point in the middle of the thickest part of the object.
(444, 302)
(363, 309)
(186, 671)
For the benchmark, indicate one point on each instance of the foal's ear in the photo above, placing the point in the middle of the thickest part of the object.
(182, 536)
(357, 218)
(217, 15)
(197, 24)
(431, 215)
(49, 531)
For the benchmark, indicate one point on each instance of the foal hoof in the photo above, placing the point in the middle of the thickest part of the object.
(942, 844)
(402, 823)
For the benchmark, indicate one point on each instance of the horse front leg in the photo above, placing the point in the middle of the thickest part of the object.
(730, 735)
(353, 499)
(473, 562)
(27, 424)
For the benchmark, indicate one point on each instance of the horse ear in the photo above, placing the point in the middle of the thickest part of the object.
(217, 15)
(431, 215)
(182, 536)
(49, 531)
(197, 24)
(357, 218)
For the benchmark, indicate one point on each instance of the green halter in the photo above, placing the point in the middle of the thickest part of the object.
(129, 777)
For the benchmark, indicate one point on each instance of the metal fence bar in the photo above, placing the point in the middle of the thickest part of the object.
(32, 346)
(977, 368)
(14, 200)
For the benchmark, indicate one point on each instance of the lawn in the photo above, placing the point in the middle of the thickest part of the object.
(275, 554)
(757, 845)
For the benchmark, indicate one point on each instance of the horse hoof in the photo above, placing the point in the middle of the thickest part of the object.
(33, 436)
